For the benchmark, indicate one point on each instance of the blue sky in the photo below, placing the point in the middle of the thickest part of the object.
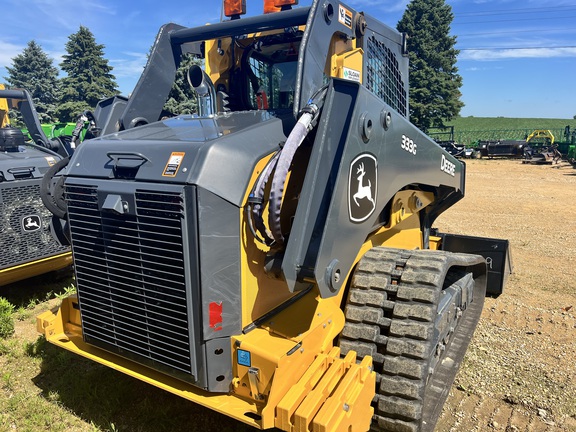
(518, 58)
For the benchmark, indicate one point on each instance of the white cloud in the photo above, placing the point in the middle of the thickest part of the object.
(53, 16)
(390, 5)
(131, 65)
(127, 69)
(482, 69)
(503, 54)
(8, 51)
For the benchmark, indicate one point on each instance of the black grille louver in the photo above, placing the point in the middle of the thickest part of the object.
(131, 277)
(19, 202)
(384, 77)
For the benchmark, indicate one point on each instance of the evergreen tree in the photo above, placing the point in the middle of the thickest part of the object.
(182, 97)
(88, 75)
(434, 80)
(34, 71)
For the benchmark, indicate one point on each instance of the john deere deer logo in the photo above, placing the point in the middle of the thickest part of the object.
(362, 187)
(31, 223)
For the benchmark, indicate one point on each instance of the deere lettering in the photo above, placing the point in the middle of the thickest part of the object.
(447, 166)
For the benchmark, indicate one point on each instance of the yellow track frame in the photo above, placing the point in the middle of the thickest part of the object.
(285, 362)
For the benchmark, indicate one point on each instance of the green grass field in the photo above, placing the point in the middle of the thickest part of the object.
(468, 130)
(44, 388)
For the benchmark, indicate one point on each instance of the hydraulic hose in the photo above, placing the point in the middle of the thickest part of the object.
(305, 123)
(82, 118)
(281, 173)
(278, 168)
(53, 197)
(256, 200)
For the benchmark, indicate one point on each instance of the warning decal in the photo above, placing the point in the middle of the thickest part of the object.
(173, 164)
(50, 159)
(345, 16)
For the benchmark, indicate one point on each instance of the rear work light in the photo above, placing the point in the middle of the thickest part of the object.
(271, 6)
(234, 8)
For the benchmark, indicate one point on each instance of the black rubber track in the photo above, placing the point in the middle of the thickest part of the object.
(390, 315)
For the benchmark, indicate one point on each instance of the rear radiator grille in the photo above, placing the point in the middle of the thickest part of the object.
(24, 226)
(384, 77)
(131, 276)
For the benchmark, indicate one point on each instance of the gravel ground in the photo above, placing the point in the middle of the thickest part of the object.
(519, 372)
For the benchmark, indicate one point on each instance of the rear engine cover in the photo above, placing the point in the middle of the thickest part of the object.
(154, 219)
(24, 221)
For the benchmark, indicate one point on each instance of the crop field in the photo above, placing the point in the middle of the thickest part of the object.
(469, 130)
(518, 375)
(485, 123)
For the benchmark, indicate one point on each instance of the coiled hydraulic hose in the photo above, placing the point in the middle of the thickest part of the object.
(278, 168)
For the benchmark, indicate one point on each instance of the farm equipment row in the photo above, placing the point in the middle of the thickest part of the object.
(539, 147)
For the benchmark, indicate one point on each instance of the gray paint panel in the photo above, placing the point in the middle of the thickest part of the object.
(25, 159)
(219, 364)
(220, 152)
(326, 238)
(219, 235)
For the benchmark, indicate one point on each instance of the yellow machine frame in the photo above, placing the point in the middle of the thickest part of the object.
(35, 268)
(541, 133)
(298, 381)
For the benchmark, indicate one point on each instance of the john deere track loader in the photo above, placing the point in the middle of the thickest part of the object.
(26, 245)
(273, 257)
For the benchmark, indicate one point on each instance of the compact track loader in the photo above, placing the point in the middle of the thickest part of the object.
(27, 246)
(273, 257)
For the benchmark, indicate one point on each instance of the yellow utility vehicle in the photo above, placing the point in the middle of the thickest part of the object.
(273, 257)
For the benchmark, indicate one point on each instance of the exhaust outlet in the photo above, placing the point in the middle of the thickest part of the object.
(204, 87)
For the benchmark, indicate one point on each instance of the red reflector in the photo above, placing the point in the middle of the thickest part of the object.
(215, 316)
(234, 7)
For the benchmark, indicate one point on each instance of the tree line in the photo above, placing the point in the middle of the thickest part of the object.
(88, 77)
(434, 79)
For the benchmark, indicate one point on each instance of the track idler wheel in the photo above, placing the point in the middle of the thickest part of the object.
(414, 313)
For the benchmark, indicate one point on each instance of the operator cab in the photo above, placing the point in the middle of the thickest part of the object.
(272, 64)
(255, 72)
(263, 65)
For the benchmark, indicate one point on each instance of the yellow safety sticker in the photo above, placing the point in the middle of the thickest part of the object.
(51, 160)
(173, 164)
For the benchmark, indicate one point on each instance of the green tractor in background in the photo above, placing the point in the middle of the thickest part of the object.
(71, 132)
(570, 145)
(54, 130)
(26, 154)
